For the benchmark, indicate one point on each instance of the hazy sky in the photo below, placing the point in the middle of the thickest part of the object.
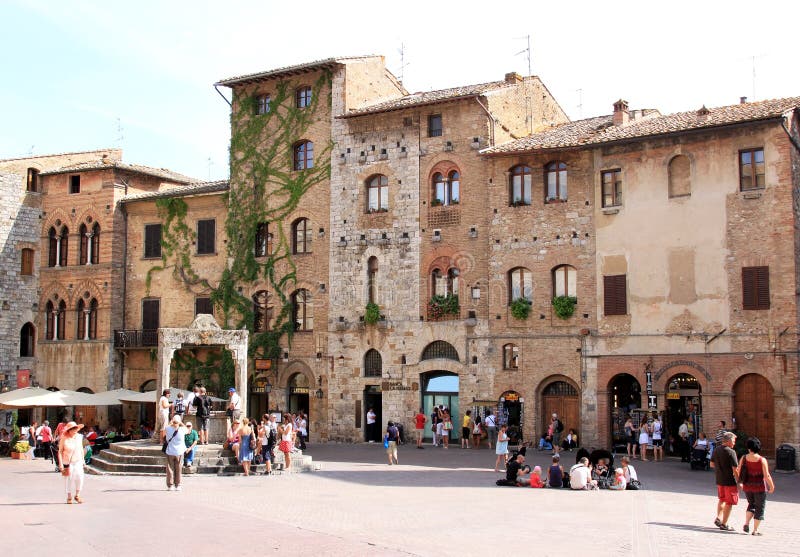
(79, 75)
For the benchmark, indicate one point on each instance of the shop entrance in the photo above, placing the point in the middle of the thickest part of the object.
(258, 403)
(510, 411)
(440, 388)
(561, 398)
(624, 396)
(754, 409)
(147, 412)
(373, 399)
(684, 401)
(298, 394)
(86, 414)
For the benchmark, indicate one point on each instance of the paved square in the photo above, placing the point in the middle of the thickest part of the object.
(436, 502)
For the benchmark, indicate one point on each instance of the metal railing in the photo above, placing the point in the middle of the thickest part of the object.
(135, 338)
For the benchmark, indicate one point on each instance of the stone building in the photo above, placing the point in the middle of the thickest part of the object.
(696, 265)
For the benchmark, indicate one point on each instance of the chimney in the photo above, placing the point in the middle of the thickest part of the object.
(620, 113)
(742, 100)
(513, 77)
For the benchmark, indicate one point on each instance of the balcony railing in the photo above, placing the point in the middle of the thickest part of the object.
(135, 338)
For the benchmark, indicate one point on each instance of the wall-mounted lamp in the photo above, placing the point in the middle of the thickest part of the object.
(285, 357)
(319, 356)
(319, 392)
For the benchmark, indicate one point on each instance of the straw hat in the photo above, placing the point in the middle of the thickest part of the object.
(72, 425)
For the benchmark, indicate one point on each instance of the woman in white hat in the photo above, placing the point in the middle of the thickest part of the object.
(70, 460)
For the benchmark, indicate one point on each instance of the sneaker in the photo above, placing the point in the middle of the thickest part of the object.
(170, 488)
(179, 488)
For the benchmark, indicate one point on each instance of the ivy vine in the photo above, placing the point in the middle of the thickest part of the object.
(264, 189)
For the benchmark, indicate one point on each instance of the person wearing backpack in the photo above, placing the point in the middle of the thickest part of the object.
(202, 403)
(179, 406)
(558, 427)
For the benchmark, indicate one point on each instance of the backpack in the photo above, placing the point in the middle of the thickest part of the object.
(179, 406)
(559, 426)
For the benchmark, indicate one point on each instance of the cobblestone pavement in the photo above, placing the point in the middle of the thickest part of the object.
(436, 502)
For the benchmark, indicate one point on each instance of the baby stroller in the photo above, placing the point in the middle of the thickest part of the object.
(54, 454)
(700, 458)
(401, 434)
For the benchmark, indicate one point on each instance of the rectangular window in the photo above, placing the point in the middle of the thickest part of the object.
(262, 104)
(206, 235)
(74, 184)
(615, 295)
(755, 287)
(150, 314)
(263, 240)
(33, 180)
(751, 169)
(152, 240)
(27, 262)
(435, 125)
(203, 305)
(612, 188)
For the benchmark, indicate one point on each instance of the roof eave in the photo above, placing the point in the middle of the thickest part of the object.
(273, 74)
(411, 106)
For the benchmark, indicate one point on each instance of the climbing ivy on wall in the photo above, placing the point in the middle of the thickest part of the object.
(264, 188)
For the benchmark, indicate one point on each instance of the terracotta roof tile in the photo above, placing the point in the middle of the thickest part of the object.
(599, 130)
(428, 97)
(288, 70)
(103, 164)
(183, 191)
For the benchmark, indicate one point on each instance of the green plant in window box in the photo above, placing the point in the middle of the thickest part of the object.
(436, 203)
(521, 308)
(372, 313)
(439, 306)
(564, 306)
(454, 201)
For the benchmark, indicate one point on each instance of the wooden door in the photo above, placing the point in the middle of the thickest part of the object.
(754, 410)
(562, 398)
(86, 415)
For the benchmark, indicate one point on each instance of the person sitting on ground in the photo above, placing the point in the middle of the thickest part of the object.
(546, 442)
(517, 472)
(4, 436)
(629, 472)
(580, 476)
(570, 441)
(619, 483)
(555, 474)
(536, 477)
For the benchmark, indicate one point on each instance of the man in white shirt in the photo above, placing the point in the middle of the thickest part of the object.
(683, 435)
(580, 476)
(190, 409)
(235, 403)
(491, 428)
(658, 442)
(371, 425)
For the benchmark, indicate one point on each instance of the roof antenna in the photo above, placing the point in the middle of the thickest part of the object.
(526, 51)
(580, 102)
(528, 100)
(403, 64)
(210, 164)
(120, 135)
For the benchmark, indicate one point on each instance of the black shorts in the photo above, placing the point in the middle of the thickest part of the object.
(202, 423)
(657, 442)
(756, 501)
(465, 433)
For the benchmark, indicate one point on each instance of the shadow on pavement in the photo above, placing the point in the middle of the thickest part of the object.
(28, 504)
(129, 490)
(691, 527)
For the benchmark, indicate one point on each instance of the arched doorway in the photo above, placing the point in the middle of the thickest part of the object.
(298, 393)
(624, 395)
(260, 388)
(86, 414)
(754, 409)
(562, 398)
(440, 388)
(510, 410)
(684, 401)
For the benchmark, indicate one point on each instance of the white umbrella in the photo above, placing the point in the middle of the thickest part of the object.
(42, 397)
(111, 398)
(153, 396)
(17, 394)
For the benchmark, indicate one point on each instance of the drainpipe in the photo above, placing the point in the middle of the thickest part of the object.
(491, 120)
(224, 98)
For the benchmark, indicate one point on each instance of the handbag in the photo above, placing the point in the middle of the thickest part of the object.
(252, 441)
(164, 446)
(65, 471)
(385, 441)
(743, 471)
(634, 485)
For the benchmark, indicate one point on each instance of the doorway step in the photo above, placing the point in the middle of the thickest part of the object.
(144, 458)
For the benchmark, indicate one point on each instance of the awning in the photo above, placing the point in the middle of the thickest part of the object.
(111, 398)
(32, 397)
(153, 396)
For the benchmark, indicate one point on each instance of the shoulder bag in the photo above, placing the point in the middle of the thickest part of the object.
(743, 470)
(164, 446)
(252, 440)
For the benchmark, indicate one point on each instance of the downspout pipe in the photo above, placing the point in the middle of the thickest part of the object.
(491, 120)
(224, 98)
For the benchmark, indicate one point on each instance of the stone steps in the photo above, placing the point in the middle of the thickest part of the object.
(144, 458)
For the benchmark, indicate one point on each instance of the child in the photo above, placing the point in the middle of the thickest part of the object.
(536, 477)
(619, 480)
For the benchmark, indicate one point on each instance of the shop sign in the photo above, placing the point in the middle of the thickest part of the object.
(23, 378)
(673, 396)
(299, 390)
(652, 401)
(394, 386)
(263, 364)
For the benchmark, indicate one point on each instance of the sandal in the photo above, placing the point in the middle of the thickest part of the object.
(746, 528)
(717, 522)
(78, 499)
(727, 528)
(756, 533)
(69, 500)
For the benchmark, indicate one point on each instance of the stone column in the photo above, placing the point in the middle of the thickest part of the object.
(89, 248)
(58, 251)
(165, 353)
(239, 354)
(86, 313)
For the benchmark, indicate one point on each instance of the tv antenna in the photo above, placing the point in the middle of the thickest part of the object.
(210, 164)
(526, 51)
(403, 64)
(580, 102)
(120, 135)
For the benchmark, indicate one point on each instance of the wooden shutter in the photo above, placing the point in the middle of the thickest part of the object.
(205, 236)
(615, 295)
(755, 288)
(64, 246)
(150, 311)
(27, 261)
(95, 244)
(81, 318)
(203, 305)
(84, 252)
(152, 240)
(51, 253)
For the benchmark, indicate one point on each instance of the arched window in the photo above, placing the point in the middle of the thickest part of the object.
(303, 97)
(439, 349)
(63, 246)
(87, 319)
(303, 310)
(555, 182)
(372, 280)
(52, 251)
(565, 279)
(446, 189)
(303, 155)
(263, 240)
(27, 336)
(520, 185)
(262, 311)
(444, 284)
(520, 284)
(61, 318)
(50, 314)
(95, 244)
(93, 319)
(301, 236)
(679, 171)
(510, 356)
(378, 194)
(373, 364)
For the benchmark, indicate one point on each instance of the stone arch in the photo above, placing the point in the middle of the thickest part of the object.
(292, 368)
(679, 175)
(451, 366)
(91, 287)
(88, 212)
(705, 376)
(374, 169)
(569, 411)
(56, 288)
(737, 373)
(439, 350)
(56, 215)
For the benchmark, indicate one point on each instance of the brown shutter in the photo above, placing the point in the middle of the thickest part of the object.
(205, 236)
(755, 288)
(95, 244)
(152, 240)
(615, 295)
(203, 305)
(64, 246)
(51, 255)
(84, 245)
(27, 261)
(81, 319)
(150, 310)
